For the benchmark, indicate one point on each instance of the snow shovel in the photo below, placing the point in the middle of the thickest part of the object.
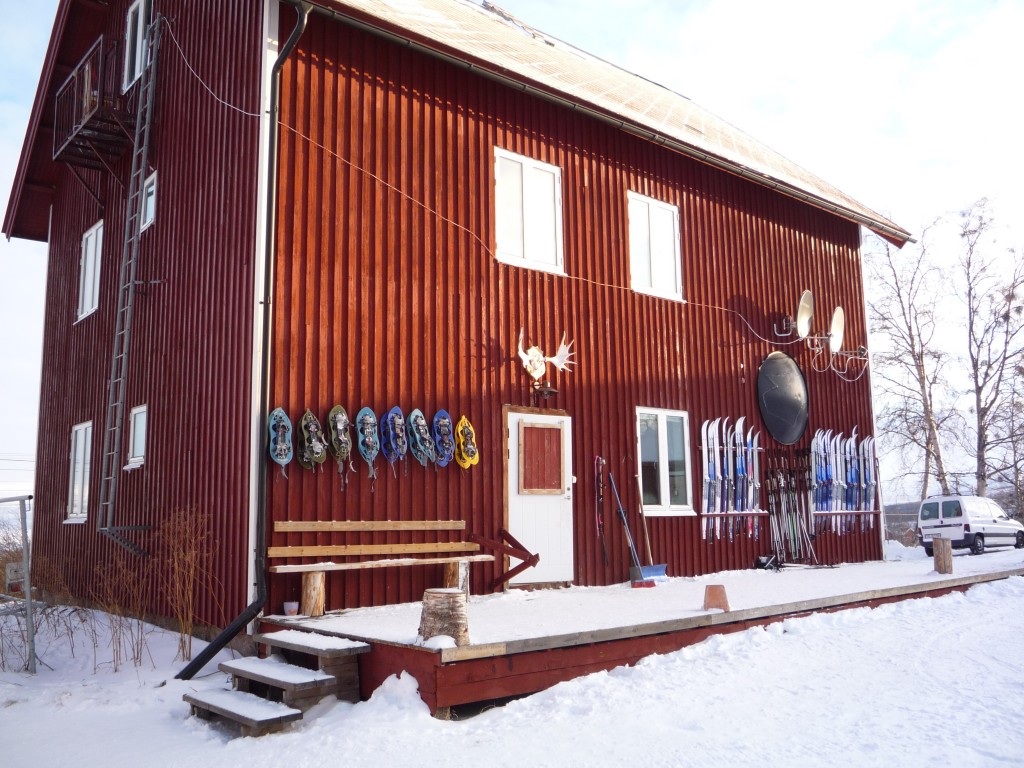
(639, 574)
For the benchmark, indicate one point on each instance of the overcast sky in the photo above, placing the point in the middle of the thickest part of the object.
(913, 107)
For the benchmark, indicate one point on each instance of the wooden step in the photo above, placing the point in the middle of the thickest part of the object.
(278, 674)
(253, 714)
(313, 643)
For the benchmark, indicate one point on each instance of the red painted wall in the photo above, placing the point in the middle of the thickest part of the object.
(191, 340)
(388, 293)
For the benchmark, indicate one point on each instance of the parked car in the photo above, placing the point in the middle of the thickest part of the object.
(968, 521)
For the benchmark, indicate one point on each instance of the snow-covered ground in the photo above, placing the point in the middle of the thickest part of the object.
(919, 683)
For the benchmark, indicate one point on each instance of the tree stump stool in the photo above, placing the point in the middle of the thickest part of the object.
(715, 597)
(444, 613)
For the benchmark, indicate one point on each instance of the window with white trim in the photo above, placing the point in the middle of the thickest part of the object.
(663, 445)
(136, 47)
(81, 459)
(89, 270)
(654, 263)
(148, 210)
(528, 212)
(136, 437)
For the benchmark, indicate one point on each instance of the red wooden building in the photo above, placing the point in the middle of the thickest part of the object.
(256, 204)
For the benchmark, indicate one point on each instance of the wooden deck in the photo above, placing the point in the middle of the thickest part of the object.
(450, 677)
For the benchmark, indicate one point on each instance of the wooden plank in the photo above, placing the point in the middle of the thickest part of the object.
(334, 526)
(390, 563)
(335, 550)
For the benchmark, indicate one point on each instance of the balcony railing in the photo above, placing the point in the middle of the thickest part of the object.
(91, 127)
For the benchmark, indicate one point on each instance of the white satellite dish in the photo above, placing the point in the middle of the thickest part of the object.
(804, 313)
(835, 334)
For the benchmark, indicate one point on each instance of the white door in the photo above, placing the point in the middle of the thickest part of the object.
(540, 494)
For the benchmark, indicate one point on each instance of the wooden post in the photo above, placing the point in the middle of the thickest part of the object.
(444, 613)
(943, 555)
(715, 597)
(456, 576)
(313, 593)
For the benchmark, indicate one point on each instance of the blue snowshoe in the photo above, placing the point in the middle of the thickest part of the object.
(421, 444)
(393, 440)
(444, 438)
(368, 443)
(281, 438)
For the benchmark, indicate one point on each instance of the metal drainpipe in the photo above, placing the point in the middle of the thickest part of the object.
(302, 11)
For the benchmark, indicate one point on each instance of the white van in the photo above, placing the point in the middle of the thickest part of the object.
(969, 521)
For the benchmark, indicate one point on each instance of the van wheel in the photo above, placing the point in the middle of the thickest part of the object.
(929, 551)
(1019, 544)
(979, 545)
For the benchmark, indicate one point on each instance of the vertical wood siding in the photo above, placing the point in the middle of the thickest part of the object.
(191, 339)
(388, 293)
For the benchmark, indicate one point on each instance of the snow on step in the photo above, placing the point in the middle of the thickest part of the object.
(277, 673)
(243, 708)
(313, 643)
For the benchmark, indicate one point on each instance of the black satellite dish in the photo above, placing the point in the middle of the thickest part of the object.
(782, 397)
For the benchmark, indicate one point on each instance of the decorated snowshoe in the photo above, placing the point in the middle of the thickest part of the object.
(466, 453)
(314, 442)
(281, 438)
(340, 442)
(393, 440)
(368, 443)
(444, 438)
(421, 444)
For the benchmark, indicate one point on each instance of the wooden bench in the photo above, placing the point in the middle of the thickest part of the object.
(454, 555)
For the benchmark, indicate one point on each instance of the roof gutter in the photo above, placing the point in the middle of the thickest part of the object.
(302, 10)
(893, 234)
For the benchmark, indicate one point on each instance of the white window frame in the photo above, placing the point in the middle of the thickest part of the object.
(138, 422)
(89, 265)
(80, 461)
(645, 257)
(136, 48)
(666, 508)
(147, 211)
(532, 227)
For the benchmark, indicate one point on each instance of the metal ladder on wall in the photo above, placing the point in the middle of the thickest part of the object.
(117, 386)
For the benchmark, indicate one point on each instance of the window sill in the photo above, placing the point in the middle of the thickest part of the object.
(133, 465)
(512, 261)
(678, 297)
(75, 520)
(687, 512)
(80, 318)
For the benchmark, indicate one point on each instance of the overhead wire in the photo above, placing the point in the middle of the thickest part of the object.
(458, 225)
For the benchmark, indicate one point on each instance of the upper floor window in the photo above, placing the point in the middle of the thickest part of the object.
(81, 457)
(664, 450)
(148, 209)
(528, 212)
(136, 49)
(137, 437)
(89, 270)
(654, 262)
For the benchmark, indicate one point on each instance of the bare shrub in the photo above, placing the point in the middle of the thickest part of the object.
(119, 590)
(185, 548)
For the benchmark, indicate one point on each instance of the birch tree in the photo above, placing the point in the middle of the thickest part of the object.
(993, 293)
(910, 371)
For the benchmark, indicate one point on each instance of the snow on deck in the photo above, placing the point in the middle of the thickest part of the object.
(520, 615)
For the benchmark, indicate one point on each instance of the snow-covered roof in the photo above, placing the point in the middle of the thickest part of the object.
(506, 47)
